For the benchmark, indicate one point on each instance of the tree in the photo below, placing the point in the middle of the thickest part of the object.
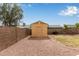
(77, 25)
(10, 14)
(65, 26)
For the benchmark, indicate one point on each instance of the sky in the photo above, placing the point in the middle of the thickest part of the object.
(51, 13)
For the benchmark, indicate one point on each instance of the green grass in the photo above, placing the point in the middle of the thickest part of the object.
(68, 40)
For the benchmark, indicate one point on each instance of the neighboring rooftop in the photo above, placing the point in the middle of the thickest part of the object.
(55, 26)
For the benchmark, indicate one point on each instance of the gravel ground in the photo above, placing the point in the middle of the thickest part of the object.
(39, 47)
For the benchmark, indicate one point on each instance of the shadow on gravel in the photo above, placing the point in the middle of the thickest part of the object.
(38, 38)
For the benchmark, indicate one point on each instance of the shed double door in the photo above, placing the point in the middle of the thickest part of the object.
(39, 32)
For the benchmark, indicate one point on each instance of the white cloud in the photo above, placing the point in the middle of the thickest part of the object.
(69, 11)
(29, 5)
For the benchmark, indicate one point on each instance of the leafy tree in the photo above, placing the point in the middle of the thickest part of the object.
(65, 26)
(77, 25)
(10, 14)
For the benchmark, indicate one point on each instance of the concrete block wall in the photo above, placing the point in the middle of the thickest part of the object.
(64, 31)
(10, 35)
(52, 30)
(70, 31)
(22, 33)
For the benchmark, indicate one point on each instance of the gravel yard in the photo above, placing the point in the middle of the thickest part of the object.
(39, 47)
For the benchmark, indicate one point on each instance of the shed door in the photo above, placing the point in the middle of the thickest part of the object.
(38, 31)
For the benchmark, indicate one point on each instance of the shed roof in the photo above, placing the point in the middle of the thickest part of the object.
(39, 22)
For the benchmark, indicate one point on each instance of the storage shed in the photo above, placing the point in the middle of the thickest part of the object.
(39, 29)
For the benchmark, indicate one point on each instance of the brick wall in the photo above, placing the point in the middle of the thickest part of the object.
(52, 30)
(70, 31)
(63, 31)
(22, 33)
(10, 35)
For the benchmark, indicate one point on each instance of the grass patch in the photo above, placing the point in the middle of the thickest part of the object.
(68, 40)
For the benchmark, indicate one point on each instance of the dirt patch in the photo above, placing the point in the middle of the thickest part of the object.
(68, 40)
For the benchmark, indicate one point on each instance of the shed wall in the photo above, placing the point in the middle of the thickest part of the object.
(39, 30)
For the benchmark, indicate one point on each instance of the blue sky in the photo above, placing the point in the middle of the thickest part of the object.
(53, 14)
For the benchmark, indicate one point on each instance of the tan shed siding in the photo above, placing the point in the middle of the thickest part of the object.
(39, 30)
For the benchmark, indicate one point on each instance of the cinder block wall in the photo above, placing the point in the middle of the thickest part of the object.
(22, 33)
(52, 30)
(70, 31)
(64, 31)
(10, 35)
